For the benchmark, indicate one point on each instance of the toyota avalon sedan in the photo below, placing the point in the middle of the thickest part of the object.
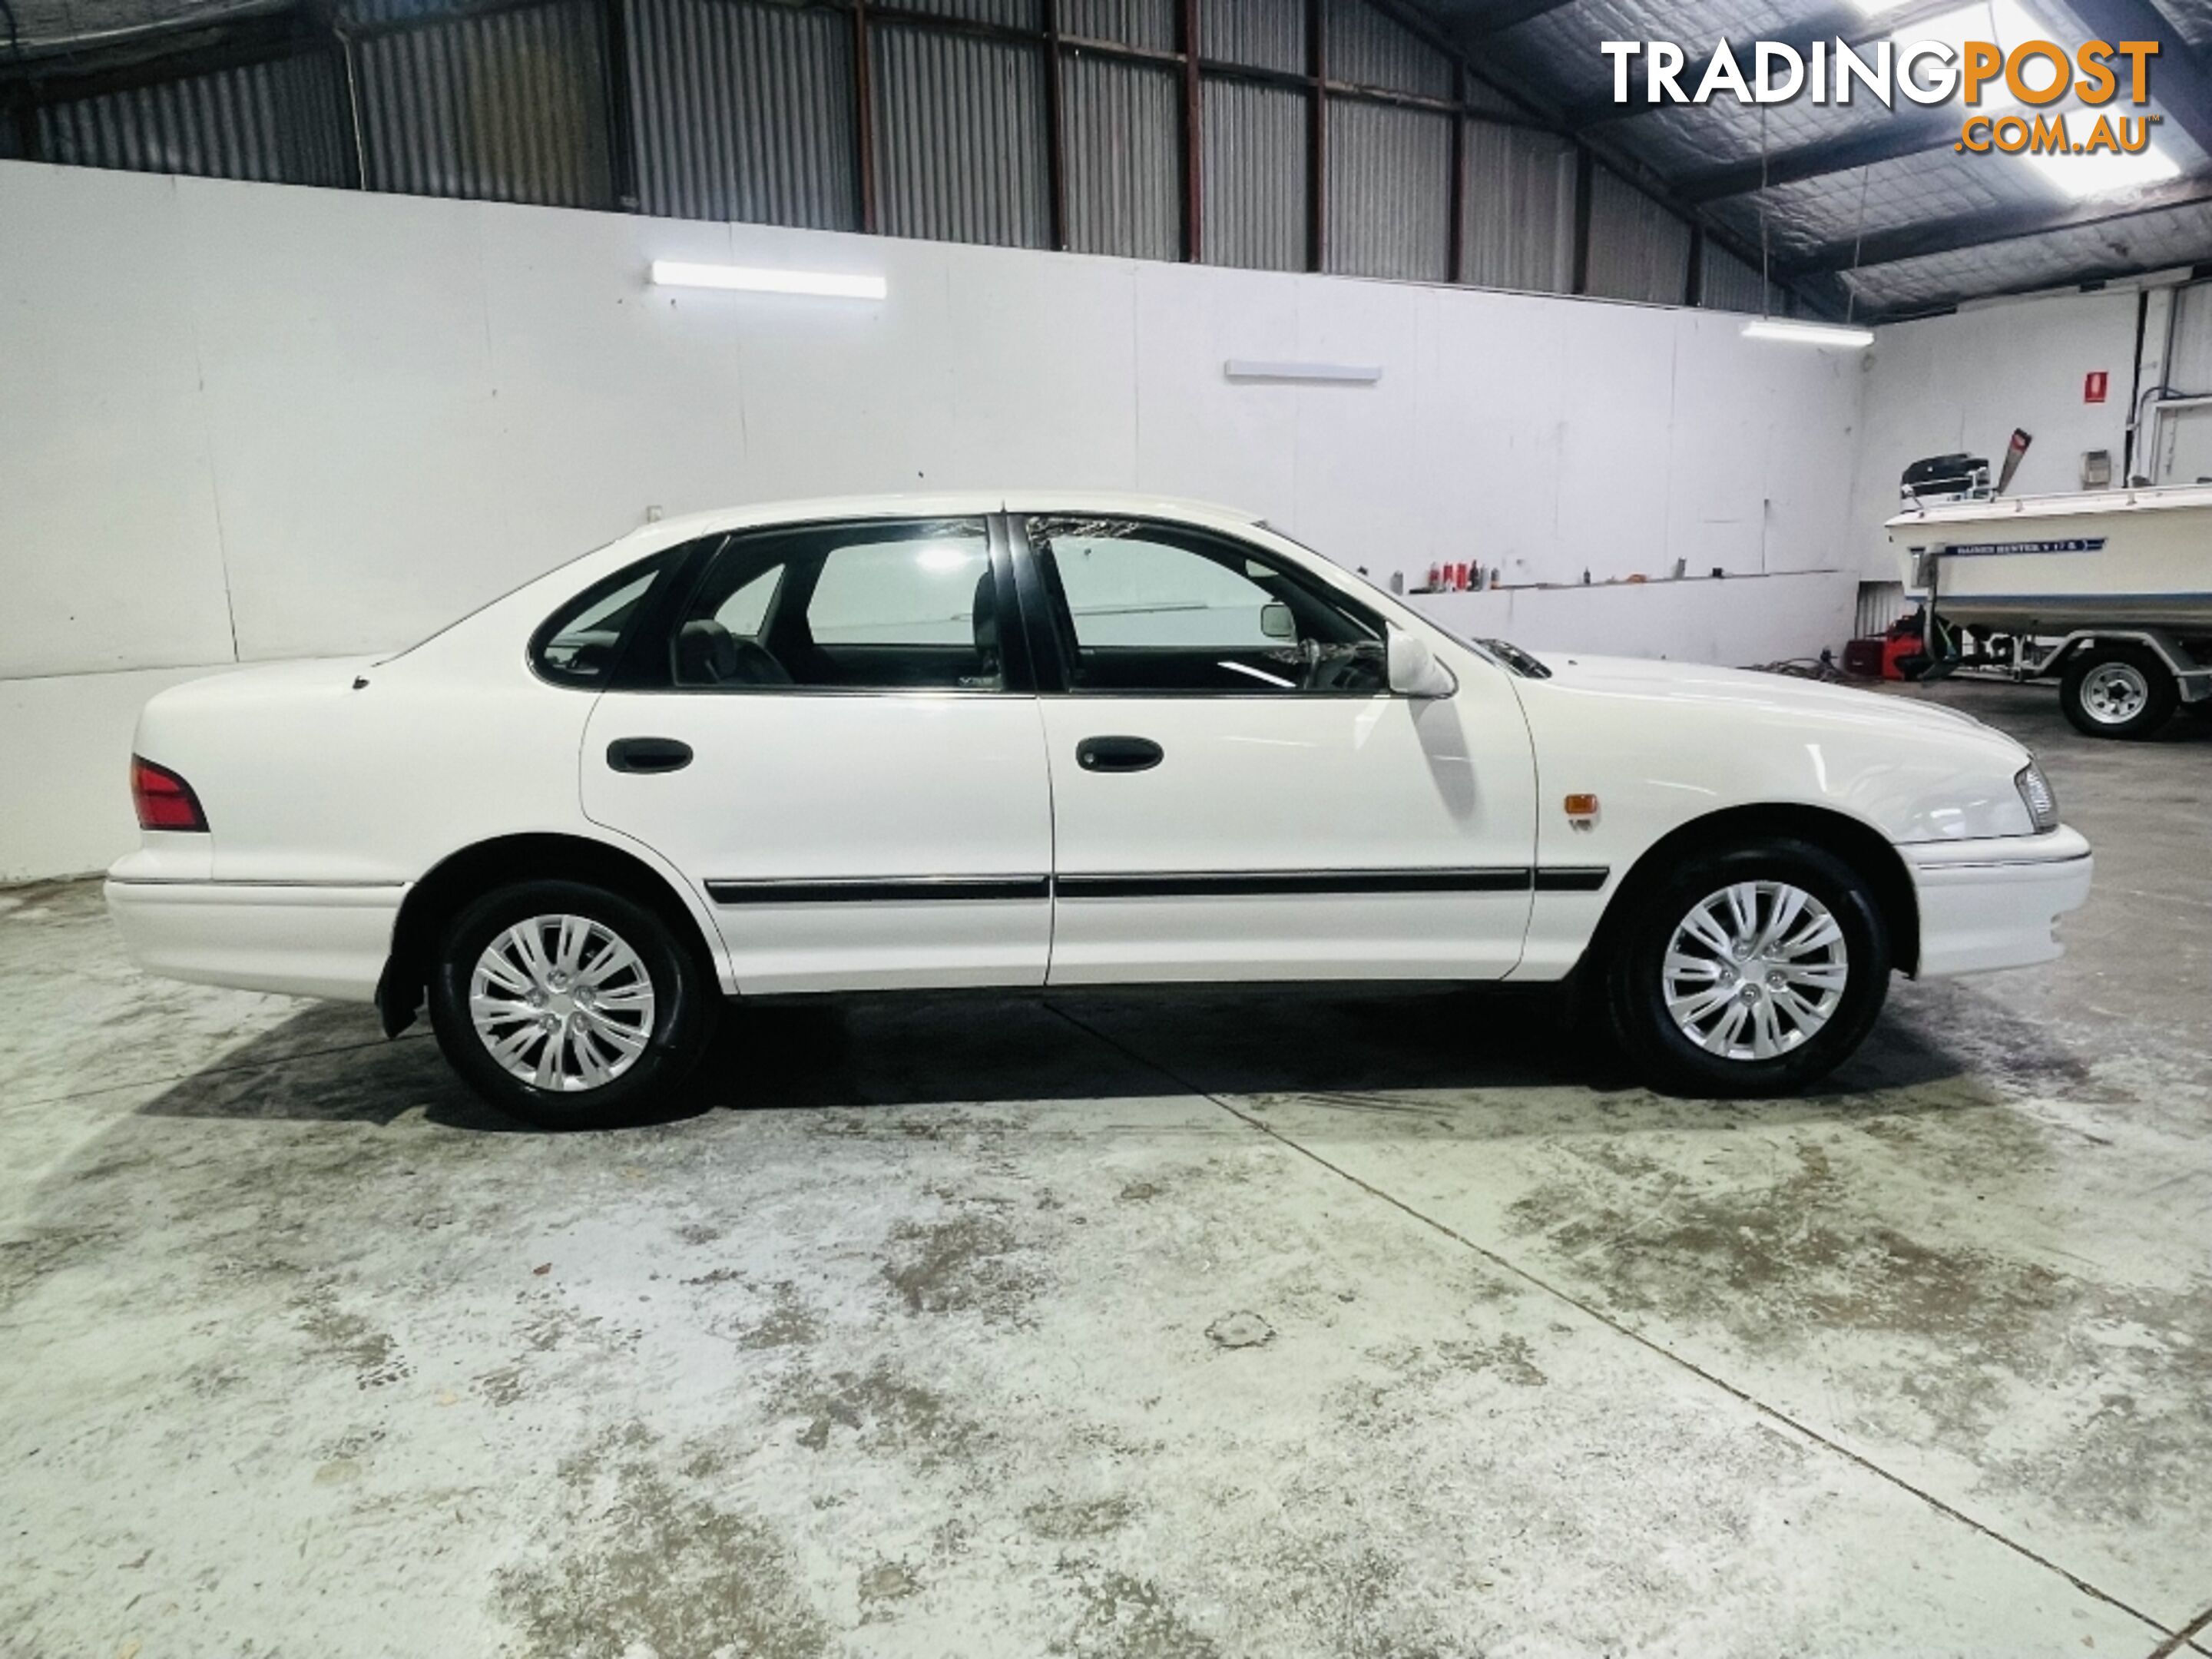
(1052, 740)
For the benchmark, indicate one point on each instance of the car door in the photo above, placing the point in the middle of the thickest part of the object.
(1236, 793)
(824, 733)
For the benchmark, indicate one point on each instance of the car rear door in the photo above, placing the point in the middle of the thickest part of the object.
(1237, 795)
(824, 734)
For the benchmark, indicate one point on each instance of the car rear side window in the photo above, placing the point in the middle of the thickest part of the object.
(580, 644)
(909, 605)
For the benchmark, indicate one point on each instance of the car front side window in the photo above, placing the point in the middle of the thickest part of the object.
(908, 606)
(1141, 608)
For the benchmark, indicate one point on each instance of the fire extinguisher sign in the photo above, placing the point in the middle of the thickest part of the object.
(2093, 385)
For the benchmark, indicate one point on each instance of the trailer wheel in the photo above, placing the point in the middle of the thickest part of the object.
(2118, 692)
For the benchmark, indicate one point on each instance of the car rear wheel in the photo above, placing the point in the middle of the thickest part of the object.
(569, 1006)
(1752, 971)
(2118, 692)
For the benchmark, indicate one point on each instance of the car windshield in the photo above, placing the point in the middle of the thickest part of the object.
(1506, 655)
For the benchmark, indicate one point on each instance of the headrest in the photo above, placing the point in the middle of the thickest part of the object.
(705, 653)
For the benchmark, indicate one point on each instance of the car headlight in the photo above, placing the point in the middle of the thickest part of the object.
(2035, 794)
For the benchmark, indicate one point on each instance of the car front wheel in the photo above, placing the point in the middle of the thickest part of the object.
(569, 1006)
(1752, 971)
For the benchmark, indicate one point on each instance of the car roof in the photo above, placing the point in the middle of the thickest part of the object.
(962, 504)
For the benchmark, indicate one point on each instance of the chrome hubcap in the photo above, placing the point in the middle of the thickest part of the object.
(563, 1003)
(2114, 693)
(1755, 970)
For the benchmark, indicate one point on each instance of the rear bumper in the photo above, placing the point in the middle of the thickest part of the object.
(300, 939)
(1995, 903)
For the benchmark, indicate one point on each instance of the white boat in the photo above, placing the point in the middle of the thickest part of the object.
(2045, 565)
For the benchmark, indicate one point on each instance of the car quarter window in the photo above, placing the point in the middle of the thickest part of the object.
(909, 605)
(1139, 607)
(578, 645)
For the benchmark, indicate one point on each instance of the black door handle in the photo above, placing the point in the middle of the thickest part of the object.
(648, 754)
(1118, 754)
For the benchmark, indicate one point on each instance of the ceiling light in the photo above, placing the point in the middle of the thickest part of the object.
(759, 279)
(1819, 334)
(1239, 368)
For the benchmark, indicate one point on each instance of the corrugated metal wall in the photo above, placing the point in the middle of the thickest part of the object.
(960, 138)
(1638, 250)
(279, 123)
(1518, 224)
(1147, 23)
(1252, 198)
(1124, 138)
(745, 112)
(2189, 345)
(1730, 284)
(1389, 192)
(1367, 49)
(508, 106)
(1265, 34)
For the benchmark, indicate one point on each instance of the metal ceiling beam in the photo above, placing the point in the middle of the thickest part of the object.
(1904, 134)
(2008, 224)
(1835, 22)
(2178, 77)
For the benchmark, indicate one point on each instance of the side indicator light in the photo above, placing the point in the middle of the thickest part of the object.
(1582, 806)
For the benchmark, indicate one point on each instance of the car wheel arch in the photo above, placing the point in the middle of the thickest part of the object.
(461, 877)
(1853, 840)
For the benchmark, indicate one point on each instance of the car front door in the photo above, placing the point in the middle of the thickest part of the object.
(1236, 793)
(824, 732)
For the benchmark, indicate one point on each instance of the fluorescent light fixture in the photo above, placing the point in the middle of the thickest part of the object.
(1241, 368)
(1819, 334)
(761, 279)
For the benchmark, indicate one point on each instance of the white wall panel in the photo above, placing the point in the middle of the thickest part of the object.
(1964, 382)
(1198, 435)
(348, 418)
(350, 412)
(110, 548)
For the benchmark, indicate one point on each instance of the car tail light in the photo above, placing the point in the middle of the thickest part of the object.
(164, 800)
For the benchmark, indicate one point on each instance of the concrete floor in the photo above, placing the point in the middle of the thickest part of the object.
(1200, 1325)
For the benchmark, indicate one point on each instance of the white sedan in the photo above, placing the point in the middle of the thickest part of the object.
(1047, 741)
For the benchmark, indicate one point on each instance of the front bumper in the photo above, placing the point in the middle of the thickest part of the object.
(302, 940)
(1995, 902)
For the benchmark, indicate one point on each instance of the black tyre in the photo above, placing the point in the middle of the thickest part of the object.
(569, 1006)
(2117, 690)
(1752, 969)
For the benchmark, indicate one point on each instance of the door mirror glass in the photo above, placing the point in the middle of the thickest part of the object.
(1276, 621)
(1414, 670)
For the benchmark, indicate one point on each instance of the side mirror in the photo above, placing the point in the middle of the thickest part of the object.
(1276, 621)
(1414, 670)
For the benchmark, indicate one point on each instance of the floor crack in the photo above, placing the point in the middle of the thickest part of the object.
(2173, 1640)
